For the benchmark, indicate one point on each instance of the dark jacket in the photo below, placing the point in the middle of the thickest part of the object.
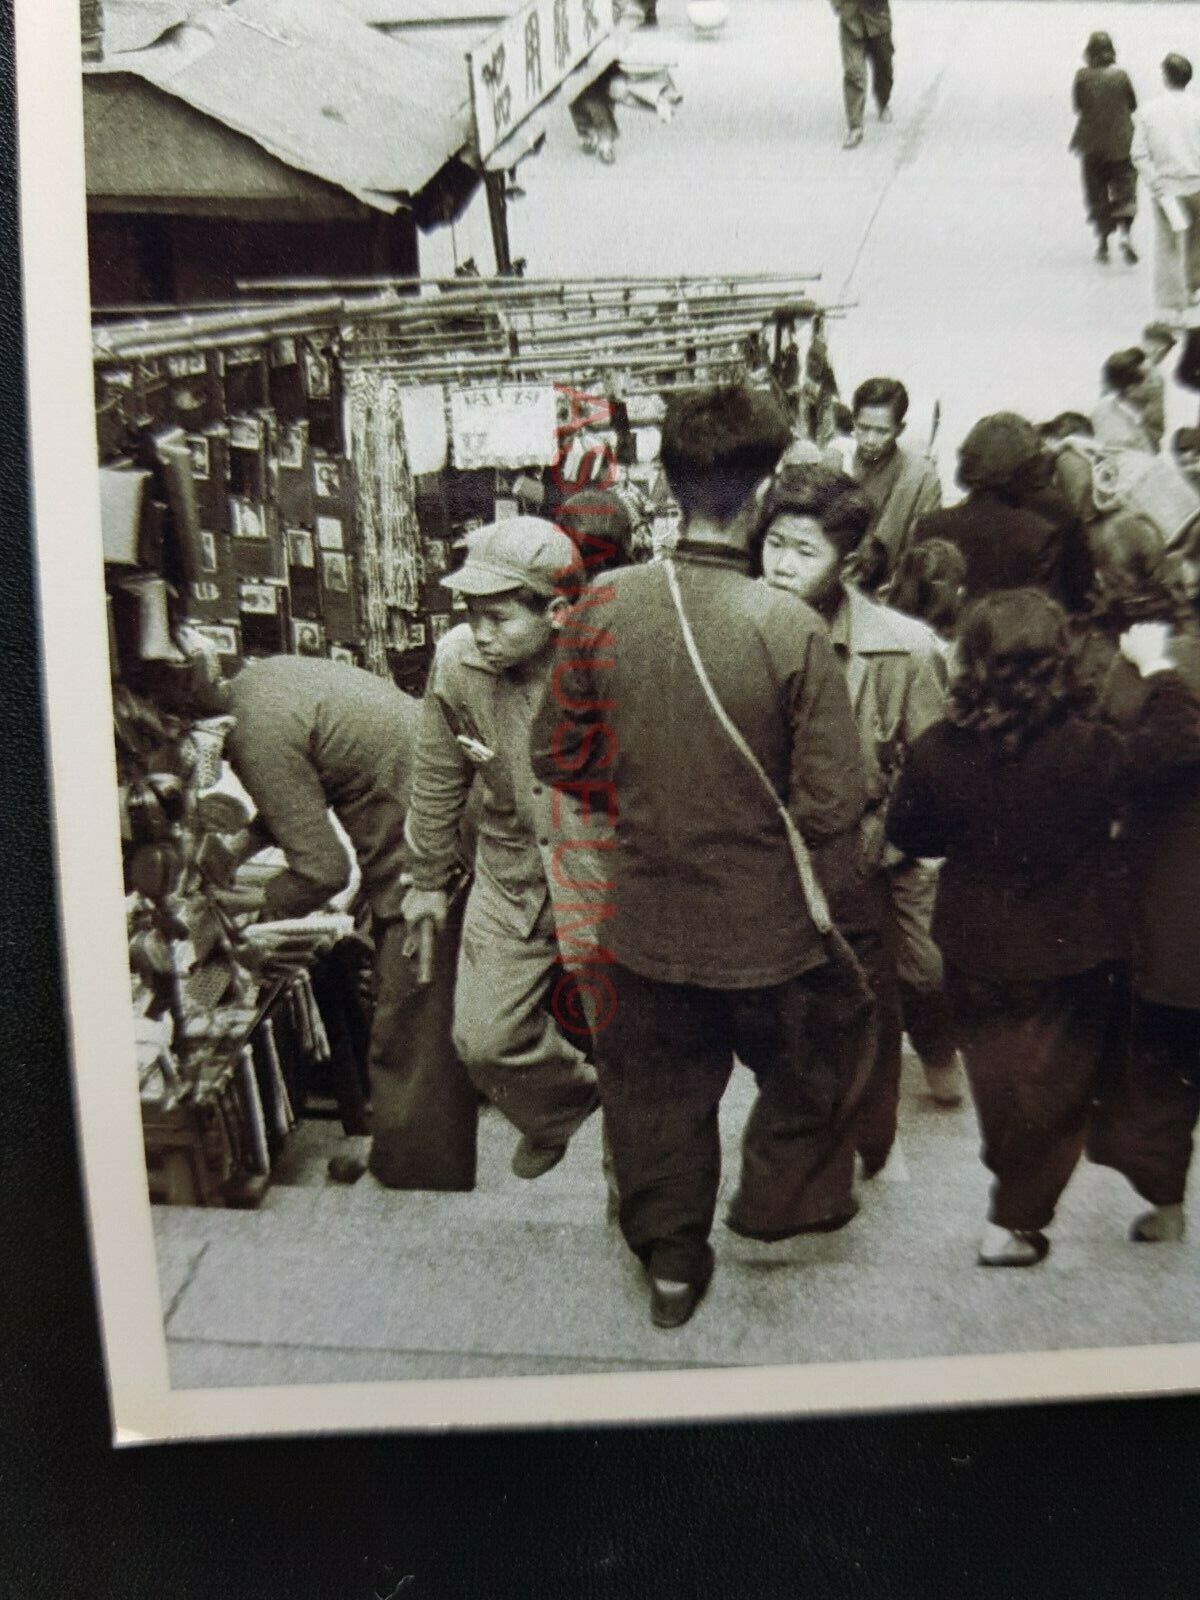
(1162, 831)
(313, 736)
(1105, 102)
(1032, 885)
(1011, 547)
(704, 887)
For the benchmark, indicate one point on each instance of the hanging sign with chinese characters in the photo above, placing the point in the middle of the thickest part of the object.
(520, 65)
(512, 426)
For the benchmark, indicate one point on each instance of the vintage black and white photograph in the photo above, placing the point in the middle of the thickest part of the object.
(300, 548)
(687, 907)
(330, 535)
(260, 599)
(308, 638)
(327, 479)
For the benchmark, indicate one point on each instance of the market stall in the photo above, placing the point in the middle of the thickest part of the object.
(290, 475)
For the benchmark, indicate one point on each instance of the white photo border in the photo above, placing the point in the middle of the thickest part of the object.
(78, 706)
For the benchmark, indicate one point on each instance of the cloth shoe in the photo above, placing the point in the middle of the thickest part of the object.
(672, 1304)
(853, 139)
(885, 114)
(1004, 1247)
(532, 1160)
(1163, 1225)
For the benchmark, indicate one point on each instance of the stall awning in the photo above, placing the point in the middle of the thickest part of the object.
(308, 82)
(146, 151)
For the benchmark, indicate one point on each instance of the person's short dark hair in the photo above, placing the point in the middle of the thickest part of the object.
(1177, 70)
(888, 392)
(600, 524)
(998, 452)
(1100, 51)
(718, 444)
(1137, 578)
(1015, 674)
(1065, 424)
(1185, 439)
(928, 583)
(828, 497)
(1124, 370)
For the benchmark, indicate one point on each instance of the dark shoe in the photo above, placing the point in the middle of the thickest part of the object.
(874, 1161)
(533, 1160)
(1129, 252)
(345, 1169)
(825, 1225)
(672, 1304)
(1102, 250)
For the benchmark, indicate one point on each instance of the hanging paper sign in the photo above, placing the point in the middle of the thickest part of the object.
(527, 57)
(512, 426)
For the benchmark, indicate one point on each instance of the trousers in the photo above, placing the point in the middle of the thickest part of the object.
(505, 1031)
(857, 52)
(1109, 192)
(424, 1107)
(1033, 1053)
(1147, 1109)
(665, 1058)
(1177, 257)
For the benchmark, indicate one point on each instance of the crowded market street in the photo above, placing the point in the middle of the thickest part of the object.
(957, 240)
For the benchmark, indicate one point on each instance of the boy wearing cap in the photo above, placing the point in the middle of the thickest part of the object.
(485, 684)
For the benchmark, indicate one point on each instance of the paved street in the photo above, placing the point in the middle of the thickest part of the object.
(959, 233)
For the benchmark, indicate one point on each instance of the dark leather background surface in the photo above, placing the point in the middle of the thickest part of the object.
(1097, 1500)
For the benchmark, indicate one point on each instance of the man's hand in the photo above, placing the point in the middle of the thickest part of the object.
(1145, 645)
(421, 905)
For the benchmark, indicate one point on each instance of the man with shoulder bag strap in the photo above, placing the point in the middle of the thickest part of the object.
(709, 717)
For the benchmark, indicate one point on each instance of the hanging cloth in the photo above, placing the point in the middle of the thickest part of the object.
(390, 551)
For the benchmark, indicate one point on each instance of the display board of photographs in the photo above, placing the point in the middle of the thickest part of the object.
(248, 509)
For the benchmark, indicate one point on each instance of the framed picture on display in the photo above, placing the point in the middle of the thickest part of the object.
(259, 599)
(201, 458)
(439, 625)
(208, 551)
(327, 479)
(293, 441)
(249, 518)
(246, 433)
(314, 365)
(224, 637)
(333, 567)
(308, 638)
(300, 548)
(329, 533)
(341, 652)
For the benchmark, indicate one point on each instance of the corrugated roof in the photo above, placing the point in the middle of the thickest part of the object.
(317, 88)
(144, 145)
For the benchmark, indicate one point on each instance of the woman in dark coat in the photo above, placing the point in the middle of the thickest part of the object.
(1104, 100)
(1148, 1112)
(1018, 793)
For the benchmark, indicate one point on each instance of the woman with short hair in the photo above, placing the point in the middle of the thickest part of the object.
(1017, 791)
(1104, 102)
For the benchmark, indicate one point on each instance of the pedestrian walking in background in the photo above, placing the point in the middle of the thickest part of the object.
(866, 40)
(1018, 792)
(1104, 100)
(1166, 153)
(721, 952)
